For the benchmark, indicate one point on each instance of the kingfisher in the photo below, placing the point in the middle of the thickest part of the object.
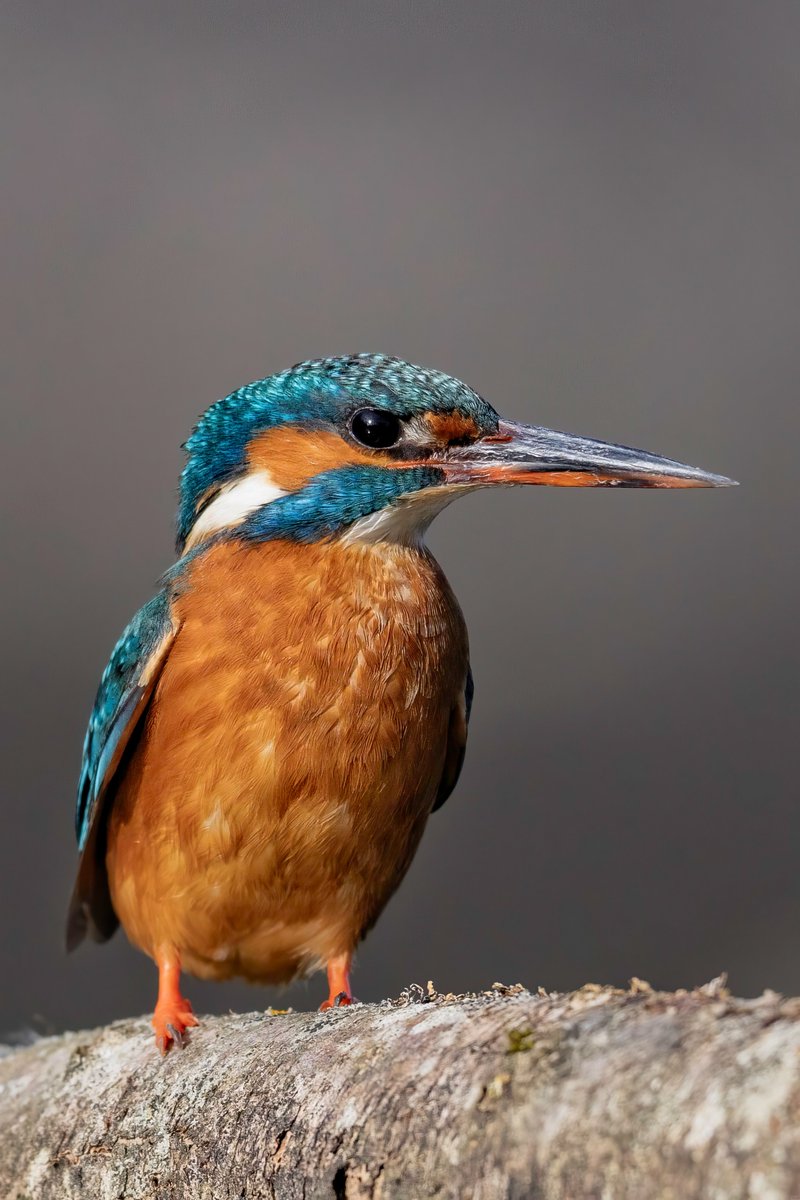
(276, 725)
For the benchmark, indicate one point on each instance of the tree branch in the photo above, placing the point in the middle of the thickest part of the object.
(599, 1093)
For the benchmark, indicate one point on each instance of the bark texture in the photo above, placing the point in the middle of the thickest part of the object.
(600, 1093)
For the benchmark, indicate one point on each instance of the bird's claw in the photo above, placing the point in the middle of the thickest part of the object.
(170, 1023)
(340, 1000)
(176, 1035)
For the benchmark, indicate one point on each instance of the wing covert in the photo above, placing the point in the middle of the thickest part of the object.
(122, 698)
(456, 743)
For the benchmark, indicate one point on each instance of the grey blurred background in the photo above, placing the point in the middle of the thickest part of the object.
(587, 211)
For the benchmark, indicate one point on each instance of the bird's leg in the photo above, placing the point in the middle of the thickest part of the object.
(173, 1014)
(339, 993)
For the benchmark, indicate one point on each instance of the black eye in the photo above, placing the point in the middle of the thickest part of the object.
(376, 428)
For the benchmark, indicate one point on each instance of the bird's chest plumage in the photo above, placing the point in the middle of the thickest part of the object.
(291, 755)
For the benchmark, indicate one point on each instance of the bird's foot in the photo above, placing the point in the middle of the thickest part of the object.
(339, 994)
(171, 1019)
(341, 1000)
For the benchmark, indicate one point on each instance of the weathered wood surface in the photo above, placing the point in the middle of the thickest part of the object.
(600, 1093)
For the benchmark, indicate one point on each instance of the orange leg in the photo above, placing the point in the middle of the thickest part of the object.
(339, 993)
(173, 1014)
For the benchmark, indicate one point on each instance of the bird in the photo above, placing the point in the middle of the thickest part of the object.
(276, 725)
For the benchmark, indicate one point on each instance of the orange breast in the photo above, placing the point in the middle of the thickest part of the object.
(290, 756)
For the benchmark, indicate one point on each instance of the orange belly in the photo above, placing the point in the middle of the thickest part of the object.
(290, 756)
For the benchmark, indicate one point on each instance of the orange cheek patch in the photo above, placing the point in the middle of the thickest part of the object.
(292, 455)
(451, 427)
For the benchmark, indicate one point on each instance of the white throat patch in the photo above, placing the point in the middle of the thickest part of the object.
(405, 521)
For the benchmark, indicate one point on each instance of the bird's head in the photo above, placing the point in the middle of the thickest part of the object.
(371, 448)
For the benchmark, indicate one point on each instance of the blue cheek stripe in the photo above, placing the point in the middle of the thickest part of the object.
(332, 501)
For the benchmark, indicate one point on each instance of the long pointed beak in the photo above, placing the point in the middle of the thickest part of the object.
(531, 454)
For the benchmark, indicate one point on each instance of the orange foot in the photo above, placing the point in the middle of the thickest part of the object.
(173, 1015)
(339, 994)
(171, 1020)
(339, 1001)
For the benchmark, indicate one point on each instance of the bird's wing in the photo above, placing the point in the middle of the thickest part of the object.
(122, 699)
(456, 743)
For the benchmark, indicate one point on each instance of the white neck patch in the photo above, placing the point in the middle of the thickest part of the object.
(233, 503)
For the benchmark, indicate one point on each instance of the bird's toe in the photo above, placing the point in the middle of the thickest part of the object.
(341, 1000)
(170, 1022)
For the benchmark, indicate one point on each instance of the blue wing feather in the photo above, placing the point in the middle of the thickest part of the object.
(118, 696)
(122, 698)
